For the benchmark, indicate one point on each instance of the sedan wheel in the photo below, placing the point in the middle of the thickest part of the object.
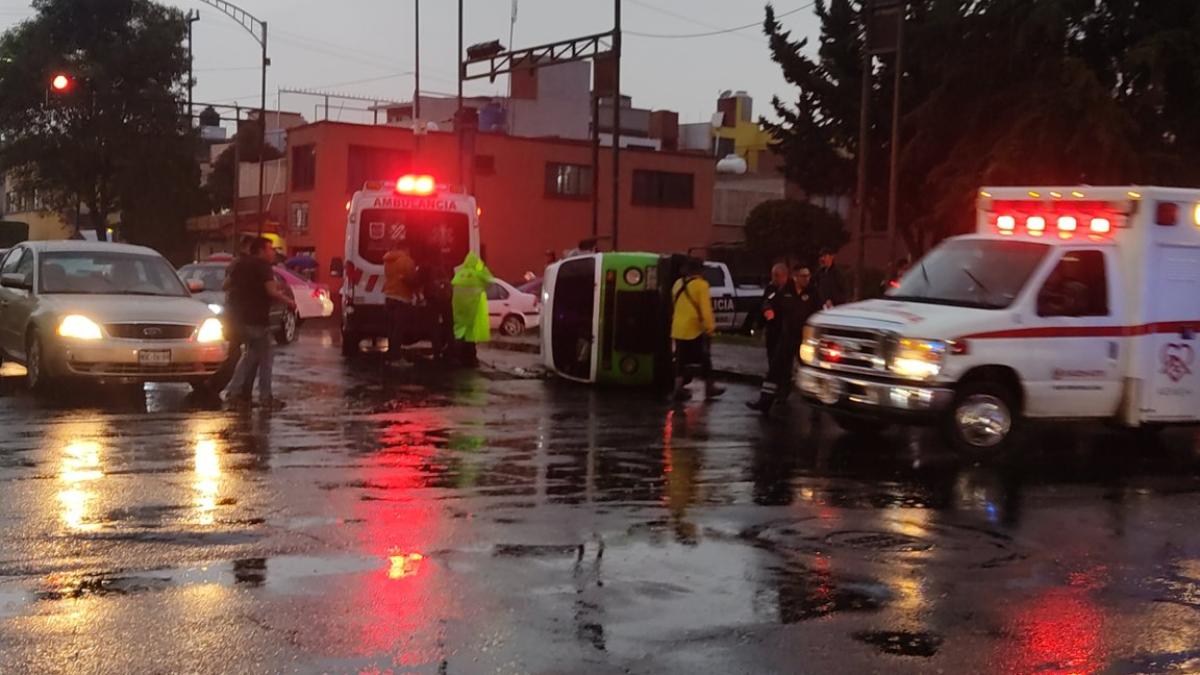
(287, 332)
(512, 326)
(36, 378)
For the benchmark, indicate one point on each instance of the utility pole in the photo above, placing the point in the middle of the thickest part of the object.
(262, 136)
(257, 30)
(418, 127)
(192, 17)
(860, 193)
(458, 114)
(616, 127)
(894, 169)
(595, 161)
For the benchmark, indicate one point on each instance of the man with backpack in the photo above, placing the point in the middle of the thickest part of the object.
(692, 327)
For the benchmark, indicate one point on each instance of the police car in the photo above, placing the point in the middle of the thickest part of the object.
(438, 223)
(1066, 303)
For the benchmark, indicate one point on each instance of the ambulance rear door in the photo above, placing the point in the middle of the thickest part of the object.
(1170, 354)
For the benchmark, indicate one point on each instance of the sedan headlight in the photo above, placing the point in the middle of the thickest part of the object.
(210, 331)
(216, 309)
(918, 359)
(79, 327)
(808, 347)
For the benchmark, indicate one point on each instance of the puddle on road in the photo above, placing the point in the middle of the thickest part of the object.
(902, 643)
(801, 593)
(283, 574)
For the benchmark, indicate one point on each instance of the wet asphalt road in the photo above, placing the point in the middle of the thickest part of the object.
(404, 520)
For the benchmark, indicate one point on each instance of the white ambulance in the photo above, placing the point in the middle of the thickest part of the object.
(438, 224)
(1066, 303)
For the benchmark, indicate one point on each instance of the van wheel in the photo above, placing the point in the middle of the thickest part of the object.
(982, 419)
(512, 326)
(853, 424)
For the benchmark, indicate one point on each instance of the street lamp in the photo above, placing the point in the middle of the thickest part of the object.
(60, 83)
(258, 30)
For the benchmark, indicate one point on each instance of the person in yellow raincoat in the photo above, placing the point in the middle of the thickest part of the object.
(470, 283)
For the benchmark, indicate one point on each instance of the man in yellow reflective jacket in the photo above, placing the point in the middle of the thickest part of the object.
(469, 304)
(692, 327)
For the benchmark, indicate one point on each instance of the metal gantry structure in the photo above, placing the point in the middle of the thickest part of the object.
(257, 29)
(593, 48)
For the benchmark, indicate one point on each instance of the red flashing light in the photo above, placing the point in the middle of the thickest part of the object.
(1006, 223)
(1101, 225)
(831, 352)
(1166, 213)
(60, 83)
(1067, 223)
(1035, 224)
(416, 185)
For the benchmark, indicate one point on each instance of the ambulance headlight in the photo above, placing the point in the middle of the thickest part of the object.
(808, 347)
(918, 359)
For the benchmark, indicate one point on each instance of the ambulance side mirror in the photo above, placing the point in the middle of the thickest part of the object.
(335, 267)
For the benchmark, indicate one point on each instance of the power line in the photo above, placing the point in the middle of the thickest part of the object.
(684, 17)
(722, 31)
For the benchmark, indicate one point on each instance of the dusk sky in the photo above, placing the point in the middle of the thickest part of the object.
(365, 47)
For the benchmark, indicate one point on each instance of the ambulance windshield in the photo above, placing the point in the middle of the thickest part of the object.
(427, 234)
(983, 273)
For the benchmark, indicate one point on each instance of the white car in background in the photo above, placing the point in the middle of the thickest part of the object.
(313, 300)
(511, 310)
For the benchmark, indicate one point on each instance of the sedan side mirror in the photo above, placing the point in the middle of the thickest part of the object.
(195, 285)
(18, 281)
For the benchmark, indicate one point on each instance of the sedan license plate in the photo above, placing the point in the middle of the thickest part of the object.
(154, 357)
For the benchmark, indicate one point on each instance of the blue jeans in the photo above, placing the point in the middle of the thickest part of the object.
(258, 358)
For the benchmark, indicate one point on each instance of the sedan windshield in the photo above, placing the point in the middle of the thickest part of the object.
(108, 273)
(985, 273)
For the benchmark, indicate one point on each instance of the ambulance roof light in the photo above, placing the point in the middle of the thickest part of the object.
(1101, 225)
(1166, 213)
(1196, 215)
(1006, 224)
(412, 184)
(1067, 223)
(1035, 224)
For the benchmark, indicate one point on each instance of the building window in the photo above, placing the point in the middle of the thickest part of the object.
(485, 165)
(568, 180)
(661, 188)
(382, 164)
(304, 168)
(299, 220)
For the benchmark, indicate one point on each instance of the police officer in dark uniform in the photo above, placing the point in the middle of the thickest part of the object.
(793, 306)
(768, 318)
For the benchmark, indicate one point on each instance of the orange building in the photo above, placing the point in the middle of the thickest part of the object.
(534, 193)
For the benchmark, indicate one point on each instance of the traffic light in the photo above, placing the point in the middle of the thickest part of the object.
(61, 83)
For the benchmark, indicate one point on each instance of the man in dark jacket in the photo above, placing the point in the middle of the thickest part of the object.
(793, 308)
(828, 282)
(768, 317)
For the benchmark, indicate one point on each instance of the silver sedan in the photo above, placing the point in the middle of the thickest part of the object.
(101, 311)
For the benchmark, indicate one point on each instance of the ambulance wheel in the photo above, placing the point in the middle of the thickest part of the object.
(350, 344)
(982, 419)
(862, 426)
(512, 326)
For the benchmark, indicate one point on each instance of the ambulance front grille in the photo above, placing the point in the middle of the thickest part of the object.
(855, 350)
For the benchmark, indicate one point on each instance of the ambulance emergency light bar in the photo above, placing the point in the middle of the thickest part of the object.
(1038, 218)
(420, 185)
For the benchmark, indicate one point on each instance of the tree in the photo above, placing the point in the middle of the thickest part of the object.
(118, 141)
(787, 229)
(996, 92)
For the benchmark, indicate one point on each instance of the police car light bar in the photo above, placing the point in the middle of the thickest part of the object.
(416, 185)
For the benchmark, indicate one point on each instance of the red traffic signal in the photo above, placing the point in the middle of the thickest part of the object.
(61, 83)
